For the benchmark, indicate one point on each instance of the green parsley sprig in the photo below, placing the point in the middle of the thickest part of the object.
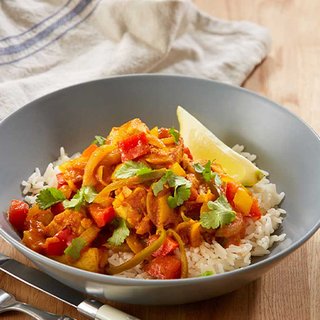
(120, 233)
(99, 141)
(207, 173)
(181, 187)
(48, 197)
(220, 213)
(85, 194)
(131, 169)
(175, 134)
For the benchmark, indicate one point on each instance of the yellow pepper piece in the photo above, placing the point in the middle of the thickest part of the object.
(94, 160)
(195, 235)
(178, 170)
(134, 244)
(243, 201)
(139, 257)
(154, 132)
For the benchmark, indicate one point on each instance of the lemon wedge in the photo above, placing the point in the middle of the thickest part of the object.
(204, 145)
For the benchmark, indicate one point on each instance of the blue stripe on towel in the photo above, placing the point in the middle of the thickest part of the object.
(55, 39)
(37, 24)
(46, 32)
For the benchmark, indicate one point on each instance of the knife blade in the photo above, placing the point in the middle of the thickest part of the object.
(90, 308)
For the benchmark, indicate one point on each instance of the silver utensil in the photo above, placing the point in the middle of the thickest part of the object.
(9, 303)
(91, 308)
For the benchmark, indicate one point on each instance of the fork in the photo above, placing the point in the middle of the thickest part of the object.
(9, 303)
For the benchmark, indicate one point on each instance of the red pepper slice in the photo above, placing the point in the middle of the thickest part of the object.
(56, 245)
(168, 246)
(255, 211)
(168, 267)
(187, 151)
(18, 211)
(61, 180)
(133, 147)
(57, 208)
(101, 215)
(231, 190)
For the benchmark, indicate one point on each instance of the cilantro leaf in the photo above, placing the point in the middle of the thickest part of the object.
(220, 213)
(132, 168)
(207, 273)
(175, 134)
(207, 173)
(120, 233)
(157, 187)
(85, 194)
(181, 194)
(99, 141)
(181, 188)
(74, 249)
(48, 197)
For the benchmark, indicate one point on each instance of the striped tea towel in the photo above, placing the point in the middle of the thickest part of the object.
(49, 44)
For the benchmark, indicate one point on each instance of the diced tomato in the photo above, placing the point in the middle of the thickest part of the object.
(65, 235)
(168, 267)
(18, 213)
(168, 246)
(57, 208)
(56, 245)
(255, 211)
(187, 151)
(163, 133)
(101, 215)
(231, 191)
(61, 180)
(133, 147)
(89, 150)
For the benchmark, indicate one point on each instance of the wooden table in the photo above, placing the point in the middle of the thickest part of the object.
(289, 76)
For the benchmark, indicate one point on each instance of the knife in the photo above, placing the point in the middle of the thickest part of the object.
(90, 308)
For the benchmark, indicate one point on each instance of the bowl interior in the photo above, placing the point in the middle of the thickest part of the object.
(285, 146)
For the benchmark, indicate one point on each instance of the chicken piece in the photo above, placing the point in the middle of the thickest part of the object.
(66, 218)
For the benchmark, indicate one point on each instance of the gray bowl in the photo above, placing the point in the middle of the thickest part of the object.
(286, 147)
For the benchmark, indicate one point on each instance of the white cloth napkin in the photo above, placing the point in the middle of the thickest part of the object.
(49, 44)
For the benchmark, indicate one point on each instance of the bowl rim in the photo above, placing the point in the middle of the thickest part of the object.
(114, 279)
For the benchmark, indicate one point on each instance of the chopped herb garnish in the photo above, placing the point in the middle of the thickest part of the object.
(74, 249)
(220, 213)
(48, 197)
(181, 188)
(206, 273)
(120, 233)
(85, 194)
(175, 134)
(207, 173)
(99, 141)
(132, 168)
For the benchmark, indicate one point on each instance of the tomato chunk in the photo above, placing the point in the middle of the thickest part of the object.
(56, 245)
(231, 191)
(18, 211)
(168, 267)
(168, 246)
(101, 215)
(61, 180)
(133, 147)
(187, 151)
(57, 208)
(255, 211)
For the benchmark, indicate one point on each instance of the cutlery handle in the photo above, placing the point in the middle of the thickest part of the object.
(37, 313)
(98, 311)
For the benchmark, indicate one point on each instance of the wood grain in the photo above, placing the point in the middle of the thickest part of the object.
(289, 76)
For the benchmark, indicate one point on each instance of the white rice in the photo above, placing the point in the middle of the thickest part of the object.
(212, 257)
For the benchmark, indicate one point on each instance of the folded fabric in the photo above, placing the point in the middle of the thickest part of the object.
(47, 45)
